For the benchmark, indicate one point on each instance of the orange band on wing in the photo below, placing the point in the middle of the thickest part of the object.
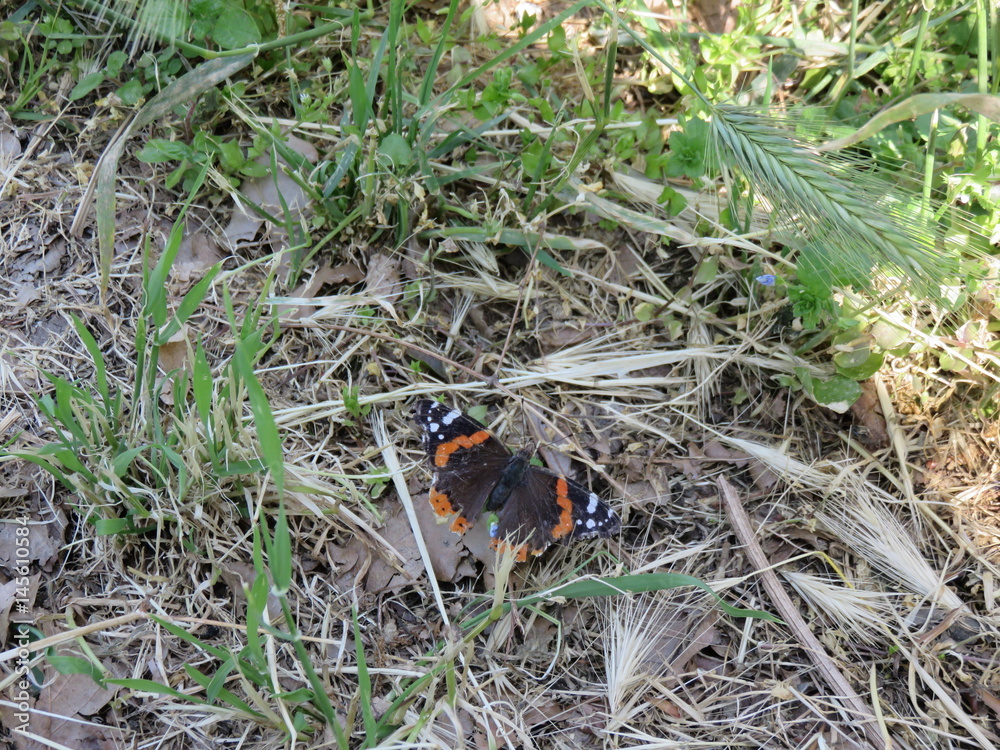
(442, 507)
(445, 450)
(565, 525)
(440, 503)
(460, 525)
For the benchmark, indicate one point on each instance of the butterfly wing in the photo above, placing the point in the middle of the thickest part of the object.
(467, 462)
(548, 507)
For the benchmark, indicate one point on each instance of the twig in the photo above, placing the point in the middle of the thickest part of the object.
(876, 732)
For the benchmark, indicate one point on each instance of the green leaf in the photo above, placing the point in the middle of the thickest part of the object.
(76, 665)
(130, 93)
(117, 526)
(267, 430)
(280, 560)
(149, 686)
(641, 582)
(159, 150)
(190, 303)
(85, 85)
(100, 369)
(235, 28)
(364, 684)
(687, 149)
(231, 155)
(122, 461)
(860, 364)
(396, 150)
(707, 271)
(837, 393)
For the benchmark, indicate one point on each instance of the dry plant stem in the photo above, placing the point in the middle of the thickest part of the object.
(876, 733)
(69, 635)
(488, 379)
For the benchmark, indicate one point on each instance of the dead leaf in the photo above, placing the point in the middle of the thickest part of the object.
(58, 716)
(385, 577)
(273, 193)
(174, 352)
(45, 541)
(382, 281)
(717, 451)
(444, 546)
(197, 253)
(16, 589)
(868, 412)
(346, 273)
(242, 227)
(238, 574)
(10, 139)
(26, 294)
(763, 478)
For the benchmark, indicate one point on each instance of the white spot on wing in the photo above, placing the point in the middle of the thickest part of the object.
(590, 523)
(592, 505)
(451, 416)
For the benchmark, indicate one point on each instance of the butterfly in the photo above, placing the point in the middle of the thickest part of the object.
(474, 473)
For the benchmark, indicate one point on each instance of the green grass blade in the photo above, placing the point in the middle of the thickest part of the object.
(100, 369)
(364, 685)
(267, 429)
(189, 86)
(191, 301)
(638, 583)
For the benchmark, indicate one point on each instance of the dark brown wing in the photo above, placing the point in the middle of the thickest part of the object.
(466, 459)
(549, 508)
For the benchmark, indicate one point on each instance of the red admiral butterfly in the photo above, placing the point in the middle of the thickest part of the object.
(474, 472)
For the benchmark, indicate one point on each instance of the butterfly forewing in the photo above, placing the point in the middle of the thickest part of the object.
(466, 459)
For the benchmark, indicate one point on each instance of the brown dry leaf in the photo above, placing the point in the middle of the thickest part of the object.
(58, 716)
(382, 281)
(10, 143)
(554, 335)
(385, 577)
(443, 545)
(26, 294)
(273, 193)
(763, 478)
(242, 227)
(173, 356)
(238, 574)
(45, 540)
(478, 540)
(10, 592)
(197, 253)
(174, 352)
(351, 560)
(541, 712)
(717, 451)
(346, 273)
(40, 265)
(668, 707)
(868, 412)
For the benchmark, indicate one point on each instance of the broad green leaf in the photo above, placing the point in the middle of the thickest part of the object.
(837, 393)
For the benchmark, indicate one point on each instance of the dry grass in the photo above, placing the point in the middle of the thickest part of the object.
(886, 554)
